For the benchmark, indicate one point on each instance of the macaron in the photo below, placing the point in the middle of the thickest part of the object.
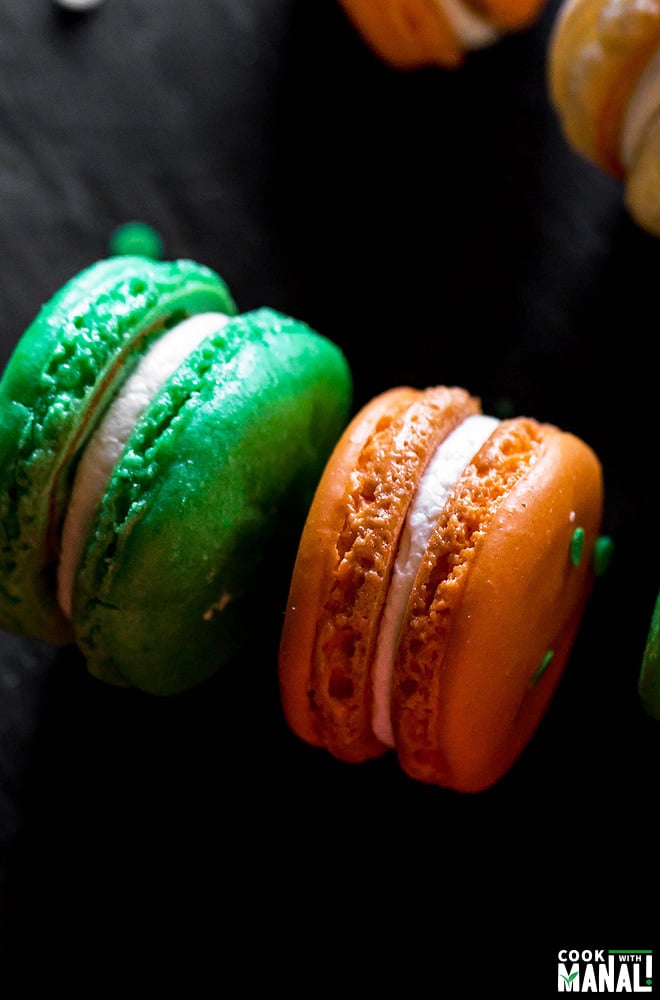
(409, 34)
(604, 83)
(156, 452)
(439, 583)
(649, 678)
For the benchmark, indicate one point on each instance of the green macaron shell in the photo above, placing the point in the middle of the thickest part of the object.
(206, 504)
(81, 346)
(649, 678)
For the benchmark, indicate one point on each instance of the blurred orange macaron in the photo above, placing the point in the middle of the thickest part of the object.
(439, 584)
(604, 83)
(409, 34)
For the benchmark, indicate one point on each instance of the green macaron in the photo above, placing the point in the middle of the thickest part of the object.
(649, 678)
(155, 449)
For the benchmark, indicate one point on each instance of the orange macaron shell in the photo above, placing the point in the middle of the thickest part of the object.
(315, 566)
(472, 679)
(508, 15)
(344, 564)
(409, 34)
(406, 33)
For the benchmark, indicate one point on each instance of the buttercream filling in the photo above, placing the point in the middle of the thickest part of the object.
(431, 495)
(107, 443)
(473, 31)
(643, 105)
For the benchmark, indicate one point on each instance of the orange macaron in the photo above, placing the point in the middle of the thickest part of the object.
(438, 587)
(409, 34)
(604, 83)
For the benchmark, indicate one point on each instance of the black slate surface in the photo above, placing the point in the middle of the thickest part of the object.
(441, 212)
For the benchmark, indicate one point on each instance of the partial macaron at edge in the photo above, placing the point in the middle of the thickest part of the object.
(649, 677)
(410, 34)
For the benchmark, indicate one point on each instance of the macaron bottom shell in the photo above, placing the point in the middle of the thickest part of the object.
(81, 346)
(203, 510)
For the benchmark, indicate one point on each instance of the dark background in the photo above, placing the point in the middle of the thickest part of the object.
(437, 227)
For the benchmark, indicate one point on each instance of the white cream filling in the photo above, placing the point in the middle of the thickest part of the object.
(106, 444)
(474, 32)
(643, 105)
(440, 477)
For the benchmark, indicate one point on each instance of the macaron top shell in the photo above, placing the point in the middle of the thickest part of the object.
(212, 486)
(83, 343)
(496, 593)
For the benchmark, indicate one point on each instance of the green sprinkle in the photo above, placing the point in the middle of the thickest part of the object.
(577, 545)
(543, 666)
(603, 551)
(136, 238)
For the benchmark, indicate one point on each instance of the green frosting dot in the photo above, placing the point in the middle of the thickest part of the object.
(136, 238)
(577, 545)
(543, 666)
(603, 552)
